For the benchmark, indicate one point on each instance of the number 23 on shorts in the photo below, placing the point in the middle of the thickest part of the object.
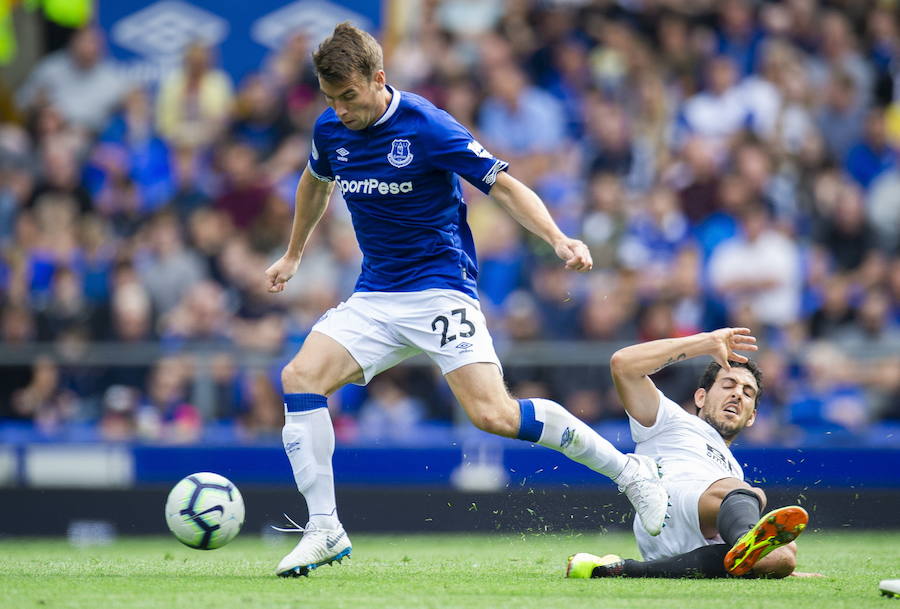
(464, 327)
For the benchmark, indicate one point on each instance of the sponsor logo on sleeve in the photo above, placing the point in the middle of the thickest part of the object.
(479, 150)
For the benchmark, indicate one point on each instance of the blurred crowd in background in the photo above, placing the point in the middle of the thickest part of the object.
(728, 163)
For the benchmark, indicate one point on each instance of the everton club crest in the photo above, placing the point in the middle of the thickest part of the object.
(400, 154)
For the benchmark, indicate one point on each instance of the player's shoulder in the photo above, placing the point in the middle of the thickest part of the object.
(415, 108)
(415, 103)
(673, 410)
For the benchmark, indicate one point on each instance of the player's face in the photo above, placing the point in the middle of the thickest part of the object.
(730, 404)
(358, 101)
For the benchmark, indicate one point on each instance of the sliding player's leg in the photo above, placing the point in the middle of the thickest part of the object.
(774, 531)
(779, 563)
(729, 507)
(732, 508)
(702, 562)
(480, 390)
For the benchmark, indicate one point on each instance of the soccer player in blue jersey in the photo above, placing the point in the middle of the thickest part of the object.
(396, 159)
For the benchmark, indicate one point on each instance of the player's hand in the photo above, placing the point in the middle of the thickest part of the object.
(575, 254)
(280, 273)
(725, 343)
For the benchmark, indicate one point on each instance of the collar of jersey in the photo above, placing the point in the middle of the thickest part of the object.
(392, 107)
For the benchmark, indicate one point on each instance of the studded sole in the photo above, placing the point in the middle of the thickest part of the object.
(303, 570)
(775, 529)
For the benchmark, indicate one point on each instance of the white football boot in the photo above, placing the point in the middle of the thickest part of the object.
(645, 491)
(317, 547)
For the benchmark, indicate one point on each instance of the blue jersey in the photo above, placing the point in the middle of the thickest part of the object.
(399, 179)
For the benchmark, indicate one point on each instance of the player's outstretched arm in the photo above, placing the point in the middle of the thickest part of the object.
(311, 201)
(527, 209)
(632, 365)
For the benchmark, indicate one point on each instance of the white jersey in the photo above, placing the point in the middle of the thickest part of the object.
(686, 446)
(692, 455)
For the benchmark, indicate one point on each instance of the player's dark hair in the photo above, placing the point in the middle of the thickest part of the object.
(712, 372)
(347, 52)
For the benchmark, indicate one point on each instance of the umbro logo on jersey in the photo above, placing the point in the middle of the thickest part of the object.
(342, 154)
(491, 176)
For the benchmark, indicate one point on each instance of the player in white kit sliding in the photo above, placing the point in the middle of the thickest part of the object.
(396, 159)
(715, 528)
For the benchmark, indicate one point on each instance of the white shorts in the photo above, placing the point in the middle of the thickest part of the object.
(381, 329)
(682, 531)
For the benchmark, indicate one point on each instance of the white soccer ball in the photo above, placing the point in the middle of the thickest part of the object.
(205, 511)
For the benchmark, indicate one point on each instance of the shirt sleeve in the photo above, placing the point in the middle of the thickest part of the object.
(668, 411)
(318, 163)
(452, 148)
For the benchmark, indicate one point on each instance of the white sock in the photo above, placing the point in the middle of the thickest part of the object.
(309, 443)
(566, 433)
(629, 473)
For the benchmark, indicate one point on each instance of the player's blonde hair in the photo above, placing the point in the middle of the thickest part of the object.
(348, 52)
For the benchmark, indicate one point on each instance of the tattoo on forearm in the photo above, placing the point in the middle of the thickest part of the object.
(670, 361)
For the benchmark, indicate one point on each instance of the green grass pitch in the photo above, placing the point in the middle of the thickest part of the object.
(419, 571)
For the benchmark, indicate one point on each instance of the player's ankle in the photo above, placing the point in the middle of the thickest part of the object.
(322, 521)
(629, 472)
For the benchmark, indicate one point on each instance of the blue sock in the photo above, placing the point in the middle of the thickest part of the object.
(530, 429)
(302, 402)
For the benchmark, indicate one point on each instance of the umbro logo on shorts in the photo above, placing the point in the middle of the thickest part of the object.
(464, 347)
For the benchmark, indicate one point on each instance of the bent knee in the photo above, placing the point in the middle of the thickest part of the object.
(495, 420)
(493, 423)
(778, 564)
(719, 489)
(293, 374)
(296, 377)
(761, 494)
